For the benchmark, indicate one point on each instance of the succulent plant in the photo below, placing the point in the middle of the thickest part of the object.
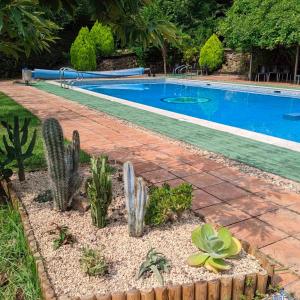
(93, 262)
(136, 201)
(63, 164)
(18, 137)
(214, 246)
(155, 263)
(100, 190)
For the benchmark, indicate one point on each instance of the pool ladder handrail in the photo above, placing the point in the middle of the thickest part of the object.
(63, 81)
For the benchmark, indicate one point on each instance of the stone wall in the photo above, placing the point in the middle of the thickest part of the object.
(235, 62)
(117, 63)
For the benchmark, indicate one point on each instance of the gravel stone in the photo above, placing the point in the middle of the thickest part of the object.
(124, 254)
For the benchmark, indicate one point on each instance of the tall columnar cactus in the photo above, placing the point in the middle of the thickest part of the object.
(136, 201)
(18, 137)
(100, 190)
(63, 164)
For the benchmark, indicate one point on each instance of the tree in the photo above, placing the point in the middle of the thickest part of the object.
(268, 24)
(103, 39)
(24, 29)
(83, 54)
(212, 53)
(149, 27)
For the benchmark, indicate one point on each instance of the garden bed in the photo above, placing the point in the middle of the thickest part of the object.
(123, 253)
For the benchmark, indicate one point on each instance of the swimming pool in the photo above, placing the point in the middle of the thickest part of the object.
(266, 111)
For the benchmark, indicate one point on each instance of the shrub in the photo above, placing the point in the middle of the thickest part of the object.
(103, 39)
(167, 204)
(93, 262)
(211, 54)
(83, 54)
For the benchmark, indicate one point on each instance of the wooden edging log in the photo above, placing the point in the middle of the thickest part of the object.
(225, 288)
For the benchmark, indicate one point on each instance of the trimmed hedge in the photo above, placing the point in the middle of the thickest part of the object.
(212, 54)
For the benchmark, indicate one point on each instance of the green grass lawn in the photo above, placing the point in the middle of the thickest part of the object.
(9, 109)
(17, 265)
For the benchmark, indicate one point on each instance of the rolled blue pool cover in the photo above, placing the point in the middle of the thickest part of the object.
(55, 74)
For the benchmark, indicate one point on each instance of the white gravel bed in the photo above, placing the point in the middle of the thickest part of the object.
(123, 253)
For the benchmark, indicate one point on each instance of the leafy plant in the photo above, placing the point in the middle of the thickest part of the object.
(100, 190)
(5, 173)
(103, 39)
(155, 263)
(83, 53)
(212, 53)
(167, 204)
(214, 246)
(64, 237)
(93, 262)
(18, 137)
(136, 195)
(43, 197)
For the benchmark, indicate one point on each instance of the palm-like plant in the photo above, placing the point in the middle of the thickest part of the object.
(23, 28)
(149, 27)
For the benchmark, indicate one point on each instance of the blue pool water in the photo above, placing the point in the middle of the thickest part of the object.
(261, 113)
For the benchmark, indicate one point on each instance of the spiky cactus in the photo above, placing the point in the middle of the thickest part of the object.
(63, 164)
(18, 137)
(100, 190)
(136, 201)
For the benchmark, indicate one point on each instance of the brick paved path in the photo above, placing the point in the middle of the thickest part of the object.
(253, 209)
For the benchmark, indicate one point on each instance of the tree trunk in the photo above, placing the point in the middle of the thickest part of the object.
(296, 64)
(164, 55)
(250, 69)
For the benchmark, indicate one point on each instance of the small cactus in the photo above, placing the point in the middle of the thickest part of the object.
(100, 190)
(63, 164)
(18, 137)
(136, 202)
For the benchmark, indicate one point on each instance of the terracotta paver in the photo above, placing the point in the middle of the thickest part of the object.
(226, 191)
(172, 182)
(294, 289)
(286, 252)
(184, 170)
(253, 205)
(283, 219)
(222, 214)
(284, 277)
(280, 197)
(158, 176)
(257, 232)
(202, 180)
(227, 174)
(159, 161)
(202, 199)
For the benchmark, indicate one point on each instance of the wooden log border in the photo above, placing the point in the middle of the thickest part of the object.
(225, 288)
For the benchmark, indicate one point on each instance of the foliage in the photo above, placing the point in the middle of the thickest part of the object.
(18, 137)
(5, 172)
(155, 263)
(100, 190)
(64, 237)
(190, 55)
(103, 39)
(63, 164)
(262, 23)
(43, 197)
(214, 246)
(136, 197)
(212, 53)
(167, 204)
(9, 109)
(198, 19)
(17, 265)
(93, 262)
(83, 53)
(24, 28)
